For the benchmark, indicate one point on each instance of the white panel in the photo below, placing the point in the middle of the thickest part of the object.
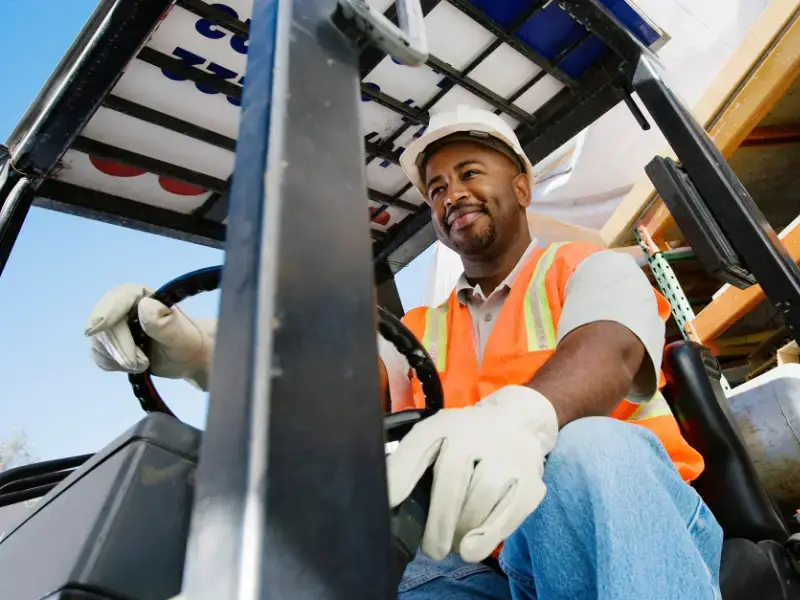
(145, 84)
(413, 195)
(510, 120)
(408, 136)
(79, 170)
(454, 37)
(122, 131)
(419, 84)
(504, 71)
(379, 119)
(457, 96)
(539, 94)
(380, 5)
(183, 29)
(388, 180)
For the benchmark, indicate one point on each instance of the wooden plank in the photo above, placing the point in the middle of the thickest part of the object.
(759, 94)
(731, 304)
(772, 135)
(719, 109)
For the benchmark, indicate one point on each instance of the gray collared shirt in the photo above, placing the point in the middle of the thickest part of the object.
(485, 310)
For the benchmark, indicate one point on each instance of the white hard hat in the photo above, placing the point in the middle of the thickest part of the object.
(475, 123)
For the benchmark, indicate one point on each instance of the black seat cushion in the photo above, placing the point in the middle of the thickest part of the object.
(747, 572)
(729, 484)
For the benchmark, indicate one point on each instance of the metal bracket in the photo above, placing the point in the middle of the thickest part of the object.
(692, 215)
(408, 43)
(671, 288)
(666, 281)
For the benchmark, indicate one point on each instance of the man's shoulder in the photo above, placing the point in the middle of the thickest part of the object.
(572, 254)
(414, 319)
(611, 267)
(577, 248)
(417, 310)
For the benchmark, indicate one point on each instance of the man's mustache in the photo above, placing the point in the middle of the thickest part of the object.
(459, 210)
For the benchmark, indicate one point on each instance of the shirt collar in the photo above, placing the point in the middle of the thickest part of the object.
(465, 292)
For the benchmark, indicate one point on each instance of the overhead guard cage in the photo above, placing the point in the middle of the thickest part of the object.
(291, 498)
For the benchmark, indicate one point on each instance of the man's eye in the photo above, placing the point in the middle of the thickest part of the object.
(436, 191)
(470, 173)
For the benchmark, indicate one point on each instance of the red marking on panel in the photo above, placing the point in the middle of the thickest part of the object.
(381, 219)
(115, 169)
(180, 188)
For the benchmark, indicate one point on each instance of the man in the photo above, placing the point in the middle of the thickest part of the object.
(536, 348)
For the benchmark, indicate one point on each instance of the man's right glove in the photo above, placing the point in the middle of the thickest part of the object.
(487, 476)
(181, 347)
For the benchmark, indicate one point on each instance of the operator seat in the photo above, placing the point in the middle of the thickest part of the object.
(755, 563)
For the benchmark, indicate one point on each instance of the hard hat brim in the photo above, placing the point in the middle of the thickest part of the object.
(409, 158)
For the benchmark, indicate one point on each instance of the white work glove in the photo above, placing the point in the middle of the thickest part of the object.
(181, 347)
(487, 478)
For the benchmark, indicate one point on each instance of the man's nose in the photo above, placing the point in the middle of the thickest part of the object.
(456, 193)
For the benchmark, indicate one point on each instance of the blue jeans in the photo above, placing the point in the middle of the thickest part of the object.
(617, 523)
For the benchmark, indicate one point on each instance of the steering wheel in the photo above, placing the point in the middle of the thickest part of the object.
(407, 520)
(390, 327)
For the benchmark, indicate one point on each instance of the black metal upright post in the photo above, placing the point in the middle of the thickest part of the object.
(87, 72)
(16, 197)
(291, 498)
(743, 224)
(720, 189)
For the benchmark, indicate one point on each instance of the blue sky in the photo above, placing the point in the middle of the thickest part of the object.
(61, 265)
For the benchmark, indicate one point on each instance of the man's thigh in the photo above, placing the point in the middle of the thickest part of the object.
(451, 579)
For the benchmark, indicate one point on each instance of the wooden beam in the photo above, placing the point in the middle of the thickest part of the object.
(731, 304)
(772, 135)
(755, 77)
(759, 94)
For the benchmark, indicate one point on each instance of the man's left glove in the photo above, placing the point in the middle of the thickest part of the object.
(487, 477)
(181, 347)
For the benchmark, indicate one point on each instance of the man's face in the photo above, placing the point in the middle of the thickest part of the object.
(477, 197)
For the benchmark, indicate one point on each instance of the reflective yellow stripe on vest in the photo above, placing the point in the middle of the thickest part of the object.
(539, 326)
(655, 407)
(435, 337)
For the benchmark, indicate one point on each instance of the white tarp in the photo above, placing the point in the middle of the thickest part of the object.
(585, 180)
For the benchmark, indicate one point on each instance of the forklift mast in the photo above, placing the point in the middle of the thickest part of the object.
(290, 498)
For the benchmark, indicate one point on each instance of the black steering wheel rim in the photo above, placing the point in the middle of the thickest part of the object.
(169, 294)
(390, 327)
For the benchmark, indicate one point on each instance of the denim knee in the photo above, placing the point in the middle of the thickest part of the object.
(613, 498)
(596, 445)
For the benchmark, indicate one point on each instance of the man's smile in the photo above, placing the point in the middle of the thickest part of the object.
(463, 216)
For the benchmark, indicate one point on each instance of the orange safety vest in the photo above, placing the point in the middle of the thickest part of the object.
(522, 340)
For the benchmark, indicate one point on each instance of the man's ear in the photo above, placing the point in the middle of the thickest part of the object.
(522, 190)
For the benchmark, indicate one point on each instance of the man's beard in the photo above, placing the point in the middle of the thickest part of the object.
(475, 243)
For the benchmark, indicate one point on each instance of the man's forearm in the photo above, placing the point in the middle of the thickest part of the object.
(591, 371)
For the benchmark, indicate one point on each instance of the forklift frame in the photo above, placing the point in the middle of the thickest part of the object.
(85, 80)
(290, 499)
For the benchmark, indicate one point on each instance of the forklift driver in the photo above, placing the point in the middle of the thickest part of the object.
(556, 452)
